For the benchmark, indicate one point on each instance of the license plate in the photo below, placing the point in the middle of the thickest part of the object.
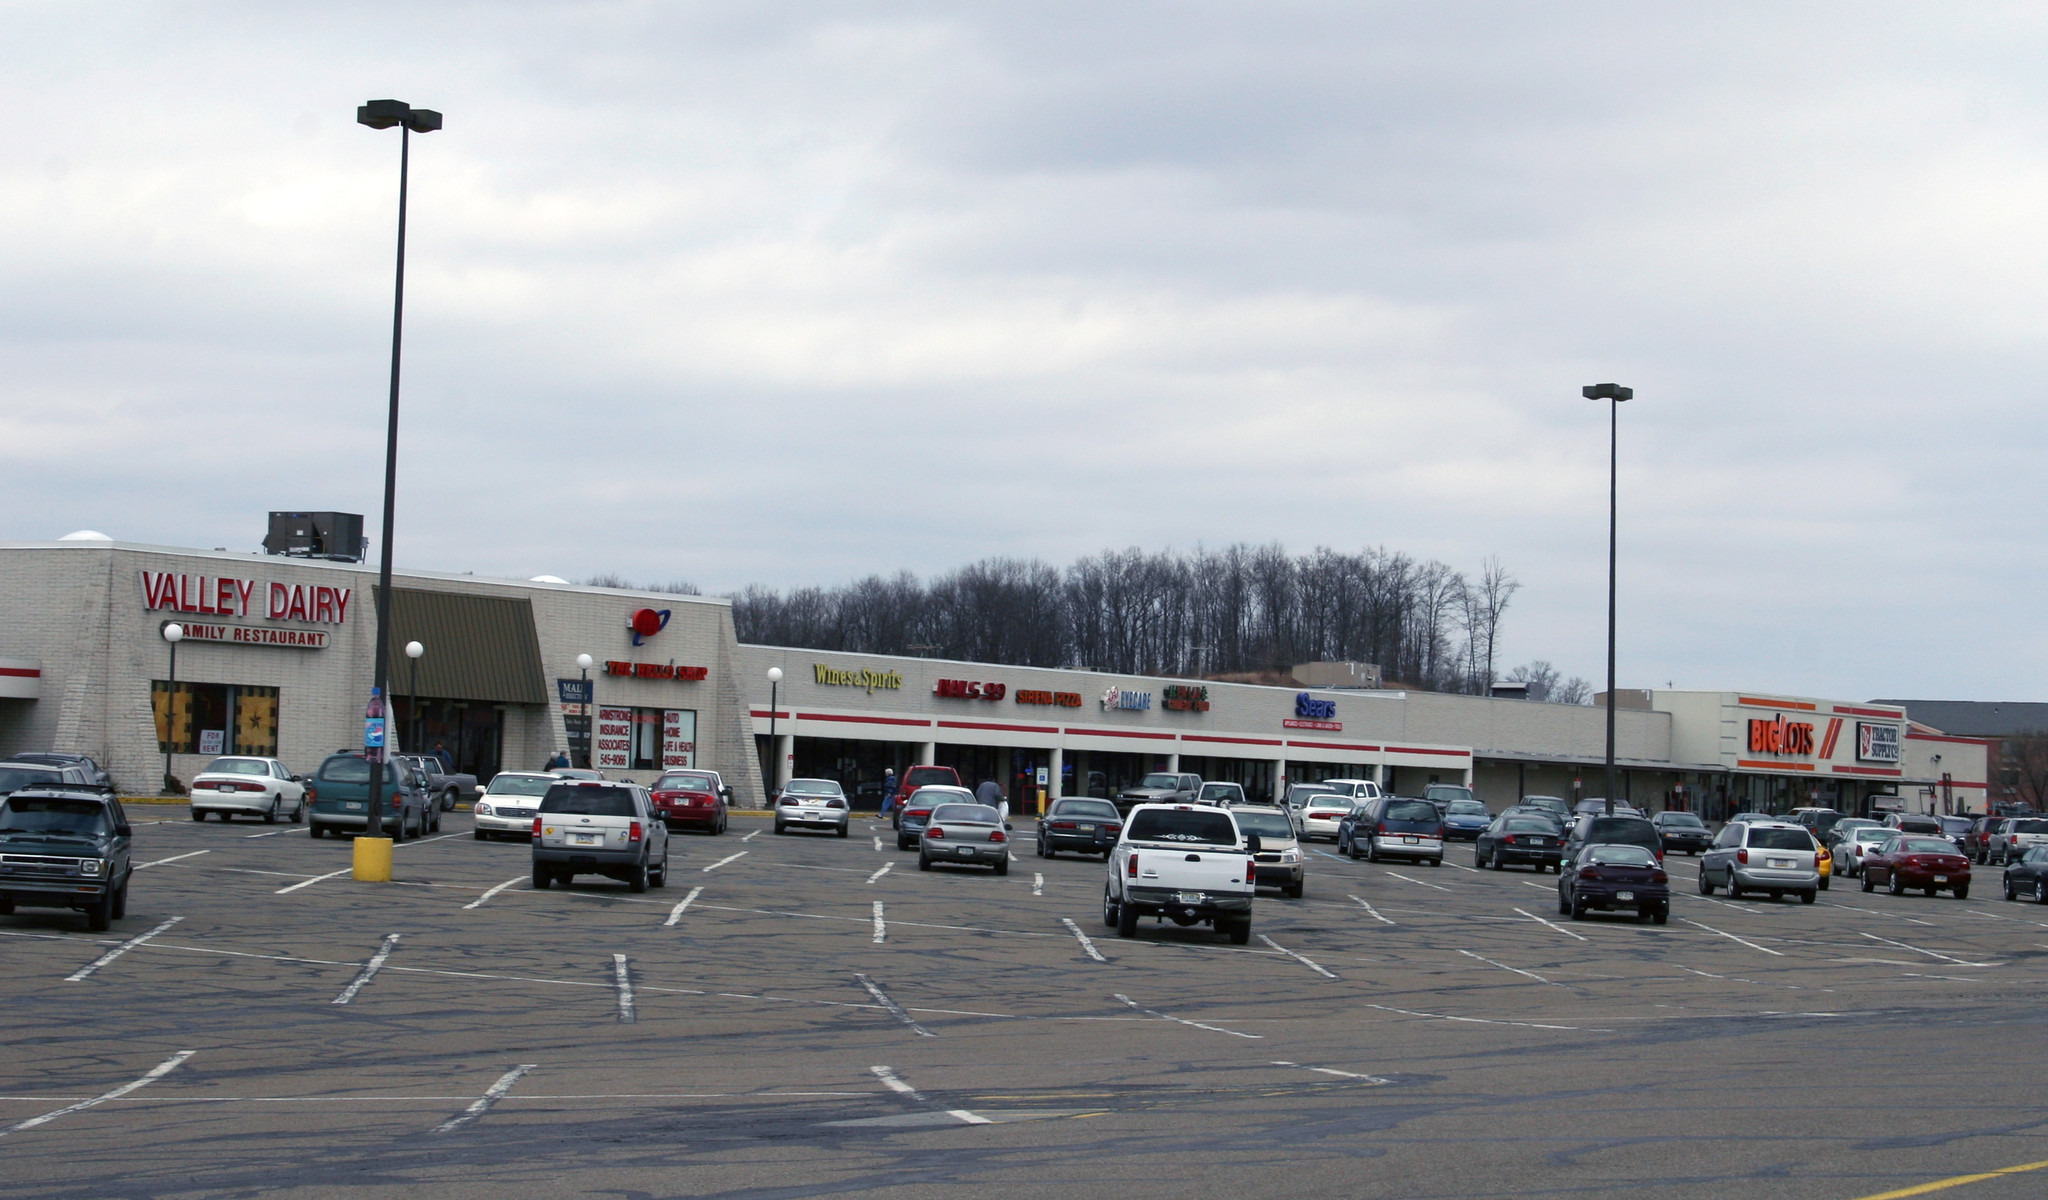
(966, 850)
(1086, 828)
(1407, 841)
(355, 804)
(1941, 879)
(587, 839)
(1624, 895)
(1189, 897)
(1782, 864)
(1539, 841)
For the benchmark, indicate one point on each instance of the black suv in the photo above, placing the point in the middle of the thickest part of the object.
(65, 846)
(1612, 831)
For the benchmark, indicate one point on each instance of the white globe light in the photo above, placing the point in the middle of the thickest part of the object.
(414, 649)
(775, 674)
(174, 633)
(85, 535)
(585, 662)
(548, 579)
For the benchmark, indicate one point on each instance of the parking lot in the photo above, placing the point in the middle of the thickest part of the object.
(808, 1015)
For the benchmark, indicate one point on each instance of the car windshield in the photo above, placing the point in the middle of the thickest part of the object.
(237, 766)
(1303, 793)
(2037, 854)
(1220, 791)
(973, 814)
(35, 814)
(1686, 819)
(1623, 856)
(1446, 791)
(1619, 831)
(1183, 825)
(1466, 808)
(582, 800)
(1167, 782)
(1919, 824)
(346, 768)
(681, 780)
(13, 779)
(1085, 808)
(1410, 810)
(1528, 825)
(2027, 827)
(1956, 824)
(521, 785)
(1924, 845)
(1266, 825)
(813, 787)
(1780, 839)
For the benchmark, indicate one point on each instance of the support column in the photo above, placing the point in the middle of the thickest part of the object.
(1280, 781)
(785, 754)
(1055, 771)
(1173, 763)
(927, 754)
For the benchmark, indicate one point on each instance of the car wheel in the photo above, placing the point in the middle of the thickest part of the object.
(636, 879)
(542, 878)
(659, 877)
(198, 814)
(100, 914)
(1578, 908)
(1372, 851)
(1109, 907)
(1126, 921)
(270, 816)
(2040, 892)
(1809, 895)
(903, 845)
(1002, 866)
(6, 907)
(1867, 885)
(1564, 904)
(1294, 891)
(121, 900)
(1662, 916)
(1706, 884)
(299, 813)
(1896, 885)
(1239, 932)
(778, 829)
(842, 829)
(481, 836)
(316, 831)
(1963, 892)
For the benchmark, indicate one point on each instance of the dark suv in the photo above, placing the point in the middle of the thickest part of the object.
(65, 846)
(340, 795)
(1612, 831)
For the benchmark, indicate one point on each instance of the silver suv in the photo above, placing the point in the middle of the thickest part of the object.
(1775, 857)
(591, 827)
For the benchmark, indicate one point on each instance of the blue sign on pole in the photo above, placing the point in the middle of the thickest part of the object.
(574, 691)
(373, 733)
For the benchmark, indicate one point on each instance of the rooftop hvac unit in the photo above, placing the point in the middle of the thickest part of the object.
(331, 535)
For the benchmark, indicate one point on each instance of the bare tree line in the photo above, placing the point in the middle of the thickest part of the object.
(1239, 610)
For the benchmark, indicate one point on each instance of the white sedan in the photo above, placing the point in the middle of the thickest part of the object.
(249, 787)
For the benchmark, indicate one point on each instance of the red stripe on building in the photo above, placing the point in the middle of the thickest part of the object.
(864, 720)
(1869, 712)
(24, 672)
(1333, 746)
(1420, 750)
(1750, 764)
(762, 712)
(1887, 772)
(1827, 744)
(1753, 702)
(1010, 728)
(1200, 737)
(1123, 733)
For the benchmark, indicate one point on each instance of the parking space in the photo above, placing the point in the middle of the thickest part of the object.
(787, 1020)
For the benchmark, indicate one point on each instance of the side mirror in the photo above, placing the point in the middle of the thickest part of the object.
(124, 830)
(1007, 825)
(1252, 842)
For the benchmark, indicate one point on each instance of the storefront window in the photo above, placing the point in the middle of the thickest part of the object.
(646, 739)
(215, 718)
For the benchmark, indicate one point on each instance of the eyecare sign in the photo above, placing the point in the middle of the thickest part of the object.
(228, 596)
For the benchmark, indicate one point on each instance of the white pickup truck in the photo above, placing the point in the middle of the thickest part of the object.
(1182, 863)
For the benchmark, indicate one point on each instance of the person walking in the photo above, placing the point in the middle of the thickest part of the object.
(447, 759)
(991, 793)
(888, 790)
(561, 759)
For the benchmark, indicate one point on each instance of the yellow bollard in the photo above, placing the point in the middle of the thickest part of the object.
(373, 859)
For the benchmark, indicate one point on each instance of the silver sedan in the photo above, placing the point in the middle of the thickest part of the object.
(965, 833)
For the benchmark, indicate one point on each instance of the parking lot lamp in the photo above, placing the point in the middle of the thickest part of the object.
(383, 114)
(173, 633)
(1614, 394)
(774, 747)
(583, 664)
(413, 650)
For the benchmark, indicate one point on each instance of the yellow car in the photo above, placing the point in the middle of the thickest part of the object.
(1823, 860)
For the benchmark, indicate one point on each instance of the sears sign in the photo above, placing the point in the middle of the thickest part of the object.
(1877, 743)
(1308, 708)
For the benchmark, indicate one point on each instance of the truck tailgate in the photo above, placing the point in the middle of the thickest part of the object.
(1193, 868)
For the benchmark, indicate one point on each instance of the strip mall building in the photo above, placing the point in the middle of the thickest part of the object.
(278, 656)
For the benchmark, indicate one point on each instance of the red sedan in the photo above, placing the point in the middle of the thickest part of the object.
(690, 798)
(1912, 860)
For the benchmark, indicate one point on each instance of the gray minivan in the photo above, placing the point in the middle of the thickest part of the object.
(340, 796)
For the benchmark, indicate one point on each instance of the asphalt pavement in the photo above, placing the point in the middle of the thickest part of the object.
(806, 1015)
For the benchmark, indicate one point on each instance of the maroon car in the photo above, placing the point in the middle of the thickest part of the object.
(915, 778)
(1917, 860)
(692, 799)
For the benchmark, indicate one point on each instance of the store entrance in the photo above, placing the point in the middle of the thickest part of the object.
(472, 732)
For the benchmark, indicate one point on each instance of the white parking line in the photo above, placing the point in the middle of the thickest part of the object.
(1438, 887)
(622, 978)
(173, 858)
(1448, 863)
(1731, 937)
(884, 871)
(1503, 966)
(1086, 943)
(1929, 953)
(728, 858)
(878, 844)
(1479, 1020)
(894, 1083)
(881, 926)
(750, 837)
(1303, 959)
(310, 882)
(1875, 911)
(1037, 884)
(1561, 929)
(271, 833)
(421, 841)
(369, 970)
(894, 1009)
(492, 1095)
(155, 1073)
(479, 901)
(1374, 911)
(676, 914)
(1183, 1020)
(1373, 1079)
(118, 951)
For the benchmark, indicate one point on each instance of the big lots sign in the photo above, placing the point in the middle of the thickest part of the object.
(227, 596)
(1780, 736)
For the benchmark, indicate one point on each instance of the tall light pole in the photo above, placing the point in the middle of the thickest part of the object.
(774, 747)
(173, 633)
(583, 664)
(1614, 394)
(413, 650)
(383, 114)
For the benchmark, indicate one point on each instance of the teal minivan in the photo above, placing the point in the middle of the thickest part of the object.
(339, 799)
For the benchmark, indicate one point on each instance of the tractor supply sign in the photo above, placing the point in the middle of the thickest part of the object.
(1779, 736)
(1877, 743)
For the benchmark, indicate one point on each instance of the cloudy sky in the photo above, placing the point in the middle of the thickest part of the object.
(792, 293)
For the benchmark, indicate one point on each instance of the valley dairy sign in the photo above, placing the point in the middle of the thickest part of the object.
(248, 599)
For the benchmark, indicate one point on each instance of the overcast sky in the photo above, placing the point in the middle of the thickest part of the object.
(791, 293)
